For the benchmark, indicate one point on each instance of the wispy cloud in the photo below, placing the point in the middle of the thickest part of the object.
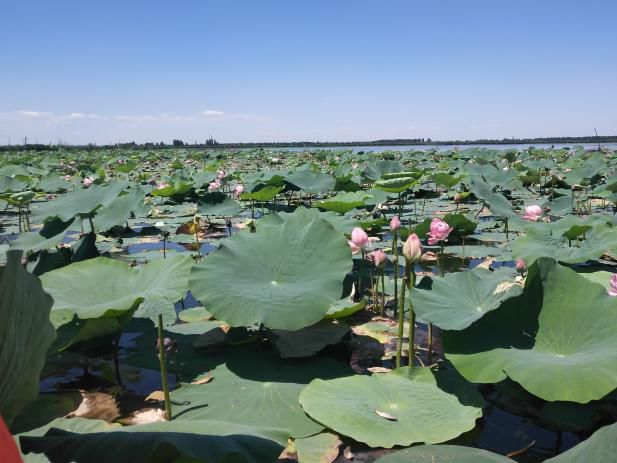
(37, 114)
(212, 113)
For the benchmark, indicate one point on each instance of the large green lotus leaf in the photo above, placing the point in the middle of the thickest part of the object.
(600, 447)
(25, 335)
(342, 223)
(256, 389)
(322, 448)
(344, 308)
(559, 333)
(602, 278)
(51, 233)
(311, 182)
(79, 202)
(391, 409)
(283, 276)
(195, 441)
(121, 208)
(445, 179)
(377, 169)
(496, 202)
(267, 193)
(218, 204)
(457, 300)
(547, 240)
(344, 202)
(443, 454)
(309, 340)
(52, 184)
(395, 185)
(107, 287)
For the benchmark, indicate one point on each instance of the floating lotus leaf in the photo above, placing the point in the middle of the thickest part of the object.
(443, 454)
(459, 299)
(195, 441)
(311, 182)
(25, 335)
(559, 333)
(600, 447)
(309, 340)
(342, 223)
(105, 287)
(284, 276)
(256, 389)
(218, 204)
(322, 448)
(391, 409)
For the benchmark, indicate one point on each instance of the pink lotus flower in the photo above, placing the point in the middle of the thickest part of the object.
(239, 190)
(88, 181)
(220, 174)
(395, 223)
(379, 258)
(439, 231)
(532, 213)
(67, 178)
(613, 289)
(359, 240)
(412, 248)
(520, 265)
(161, 185)
(214, 186)
(121, 162)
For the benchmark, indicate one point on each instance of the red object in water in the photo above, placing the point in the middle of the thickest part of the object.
(8, 449)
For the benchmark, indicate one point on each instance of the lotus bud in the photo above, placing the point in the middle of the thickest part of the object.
(67, 178)
(532, 213)
(458, 198)
(88, 181)
(379, 258)
(395, 223)
(412, 248)
(239, 190)
(359, 240)
(520, 265)
(439, 231)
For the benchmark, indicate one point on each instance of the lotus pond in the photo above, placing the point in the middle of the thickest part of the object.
(318, 306)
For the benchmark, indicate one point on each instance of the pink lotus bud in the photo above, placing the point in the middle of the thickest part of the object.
(121, 162)
(379, 258)
(214, 186)
(458, 198)
(359, 240)
(520, 265)
(532, 213)
(239, 190)
(439, 231)
(67, 178)
(613, 289)
(161, 185)
(395, 223)
(88, 181)
(412, 248)
(220, 174)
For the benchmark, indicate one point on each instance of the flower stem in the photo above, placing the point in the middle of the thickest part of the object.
(361, 271)
(412, 317)
(401, 316)
(383, 293)
(395, 251)
(163, 363)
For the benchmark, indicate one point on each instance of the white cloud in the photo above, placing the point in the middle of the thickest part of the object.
(35, 114)
(212, 113)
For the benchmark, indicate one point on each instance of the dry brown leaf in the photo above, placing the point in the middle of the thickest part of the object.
(156, 395)
(379, 370)
(205, 380)
(385, 415)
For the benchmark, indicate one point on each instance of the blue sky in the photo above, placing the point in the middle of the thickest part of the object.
(265, 70)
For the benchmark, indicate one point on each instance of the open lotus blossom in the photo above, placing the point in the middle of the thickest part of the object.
(379, 258)
(239, 190)
(359, 240)
(395, 223)
(88, 181)
(613, 282)
(520, 265)
(220, 174)
(439, 231)
(532, 213)
(412, 248)
(213, 186)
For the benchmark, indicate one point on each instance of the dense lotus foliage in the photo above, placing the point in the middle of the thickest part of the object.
(317, 306)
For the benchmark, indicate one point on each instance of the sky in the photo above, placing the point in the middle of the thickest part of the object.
(319, 70)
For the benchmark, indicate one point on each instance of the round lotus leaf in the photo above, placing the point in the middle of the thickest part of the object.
(285, 276)
(559, 333)
(395, 185)
(322, 448)
(459, 299)
(256, 389)
(390, 409)
(600, 447)
(443, 454)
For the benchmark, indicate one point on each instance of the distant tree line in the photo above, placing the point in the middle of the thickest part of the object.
(212, 143)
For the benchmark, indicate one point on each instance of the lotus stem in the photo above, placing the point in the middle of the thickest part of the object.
(116, 361)
(401, 316)
(395, 251)
(360, 274)
(383, 293)
(506, 224)
(412, 319)
(163, 363)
